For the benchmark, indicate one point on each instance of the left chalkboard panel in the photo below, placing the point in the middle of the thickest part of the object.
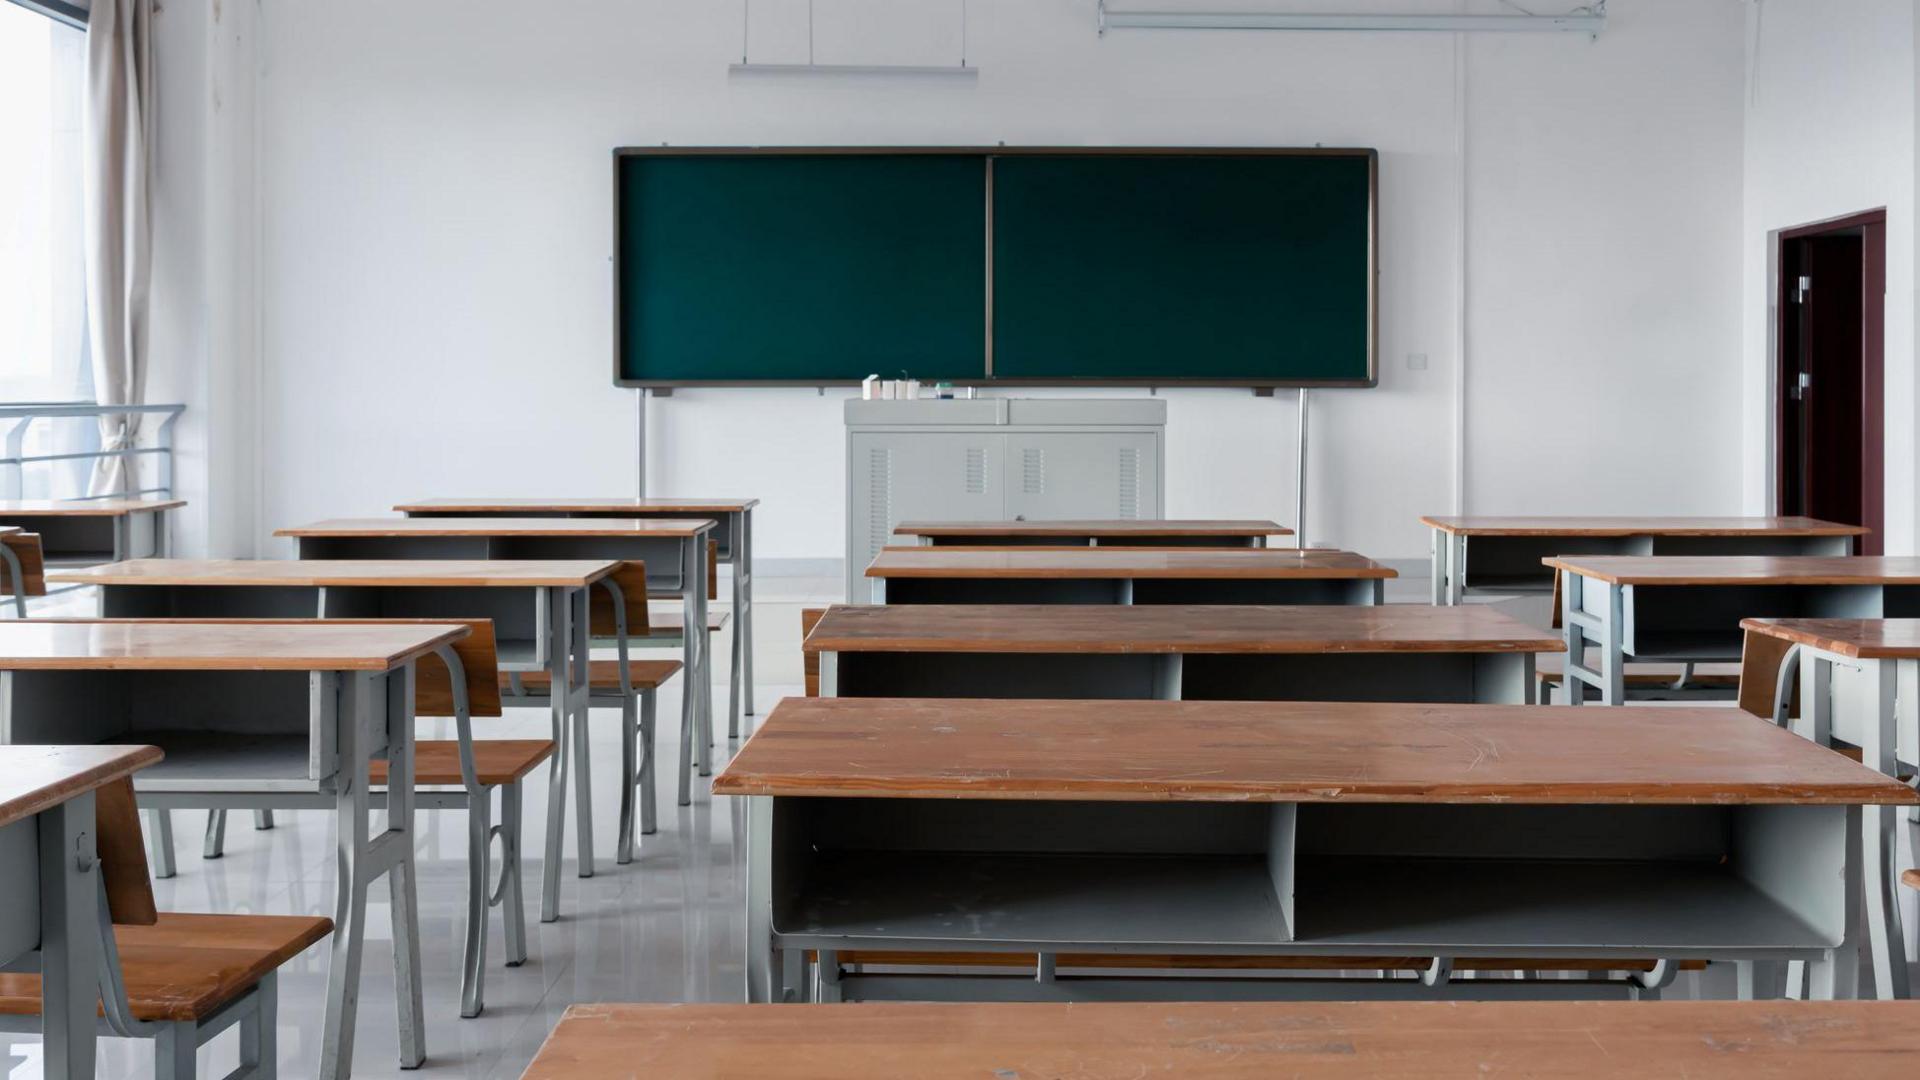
(799, 267)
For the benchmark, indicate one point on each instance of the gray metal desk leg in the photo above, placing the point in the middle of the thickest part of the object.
(568, 621)
(693, 602)
(1437, 556)
(735, 673)
(160, 842)
(396, 851)
(1456, 568)
(352, 872)
(744, 617)
(762, 961)
(1877, 839)
(69, 937)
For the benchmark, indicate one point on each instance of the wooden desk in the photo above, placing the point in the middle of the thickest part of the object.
(49, 891)
(538, 608)
(736, 550)
(958, 575)
(1389, 652)
(674, 549)
(1787, 1040)
(286, 716)
(1113, 532)
(80, 532)
(1860, 681)
(1507, 551)
(1687, 608)
(1277, 829)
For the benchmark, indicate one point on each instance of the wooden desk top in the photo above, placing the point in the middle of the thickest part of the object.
(1705, 1040)
(190, 645)
(1640, 526)
(1238, 751)
(1174, 628)
(55, 508)
(37, 778)
(1094, 527)
(502, 526)
(558, 573)
(1743, 569)
(1120, 562)
(579, 506)
(1862, 639)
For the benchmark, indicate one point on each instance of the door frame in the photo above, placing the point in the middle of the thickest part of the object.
(1873, 360)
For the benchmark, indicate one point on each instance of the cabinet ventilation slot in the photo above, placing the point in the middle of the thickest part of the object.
(1129, 482)
(1033, 471)
(879, 497)
(976, 471)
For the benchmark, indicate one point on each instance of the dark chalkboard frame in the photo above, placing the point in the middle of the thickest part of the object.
(987, 379)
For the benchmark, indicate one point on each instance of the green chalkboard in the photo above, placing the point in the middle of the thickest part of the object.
(766, 268)
(984, 265)
(1240, 267)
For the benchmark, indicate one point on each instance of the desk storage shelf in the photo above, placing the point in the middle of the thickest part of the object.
(1382, 879)
(1287, 829)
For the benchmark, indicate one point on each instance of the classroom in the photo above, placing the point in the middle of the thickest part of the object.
(959, 538)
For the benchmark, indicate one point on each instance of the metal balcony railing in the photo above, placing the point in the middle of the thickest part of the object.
(23, 415)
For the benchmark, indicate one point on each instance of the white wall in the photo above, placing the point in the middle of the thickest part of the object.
(434, 304)
(1830, 131)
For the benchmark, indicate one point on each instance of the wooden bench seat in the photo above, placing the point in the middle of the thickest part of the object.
(605, 675)
(495, 761)
(185, 966)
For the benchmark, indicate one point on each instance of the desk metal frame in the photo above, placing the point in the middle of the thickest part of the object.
(736, 551)
(559, 618)
(1522, 554)
(1692, 623)
(350, 718)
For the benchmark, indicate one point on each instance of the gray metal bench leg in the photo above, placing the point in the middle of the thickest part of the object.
(556, 828)
(216, 840)
(649, 813)
(514, 915)
(582, 795)
(160, 842)
(262, 820)
(473, 963)
(174, 1051)
(687, 749)
(629, 776)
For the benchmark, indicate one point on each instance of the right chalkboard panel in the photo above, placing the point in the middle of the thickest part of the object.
(1216, 267)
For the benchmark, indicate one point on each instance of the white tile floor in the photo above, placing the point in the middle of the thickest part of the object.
(666, 928)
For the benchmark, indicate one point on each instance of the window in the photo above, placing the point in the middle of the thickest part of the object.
(43, 324)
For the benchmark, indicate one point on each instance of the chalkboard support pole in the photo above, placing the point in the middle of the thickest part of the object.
(640, 441)
(1300, 479)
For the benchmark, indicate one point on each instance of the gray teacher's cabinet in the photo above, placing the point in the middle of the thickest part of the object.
(996, 459)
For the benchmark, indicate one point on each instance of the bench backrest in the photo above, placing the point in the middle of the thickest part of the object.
(123, 855)
(1760, 658)
(479, 658)
(632, 579)
(810, 661)
(33, 566)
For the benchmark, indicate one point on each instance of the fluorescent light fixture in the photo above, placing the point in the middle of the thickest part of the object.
(859, 70)
(1592, 23)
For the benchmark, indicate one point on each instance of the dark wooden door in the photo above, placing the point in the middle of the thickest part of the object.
(1832, 314)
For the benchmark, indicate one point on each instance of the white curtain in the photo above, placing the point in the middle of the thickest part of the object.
(119, 116)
